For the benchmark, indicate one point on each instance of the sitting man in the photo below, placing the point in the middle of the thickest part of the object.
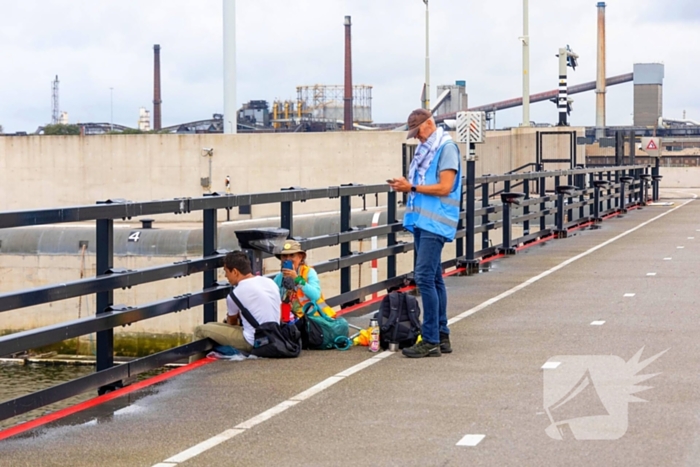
(259, 294)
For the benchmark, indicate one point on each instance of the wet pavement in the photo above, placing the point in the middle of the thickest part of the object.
(572, 305)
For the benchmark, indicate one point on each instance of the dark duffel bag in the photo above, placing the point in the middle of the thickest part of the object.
(272, 340)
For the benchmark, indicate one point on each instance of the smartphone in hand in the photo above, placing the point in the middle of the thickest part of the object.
(287, 264)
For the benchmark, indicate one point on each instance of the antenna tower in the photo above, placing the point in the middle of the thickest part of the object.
(55, 112)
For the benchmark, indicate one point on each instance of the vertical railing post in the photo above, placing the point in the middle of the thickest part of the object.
(287, 215)
(622, 196)
(655, 178)
(209, 242)
(104, 262)
(543, 204)
(570, 212)
(582, 185)
(485, 216)
(345, 213)
(560, 213)
(526, 208)
(507, 226)
(611, 190)
(459, 252)
(471, 262)
(391, 238)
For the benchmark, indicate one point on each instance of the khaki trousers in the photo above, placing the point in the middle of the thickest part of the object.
(222, 334)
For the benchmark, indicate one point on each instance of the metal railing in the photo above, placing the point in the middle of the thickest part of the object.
(540, 202)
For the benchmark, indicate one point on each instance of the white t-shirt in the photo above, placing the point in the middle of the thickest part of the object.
(261, 297)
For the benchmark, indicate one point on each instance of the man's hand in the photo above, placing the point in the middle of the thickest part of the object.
(233, 320)
(401, 185)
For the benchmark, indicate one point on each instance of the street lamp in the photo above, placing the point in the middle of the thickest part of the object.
(526, 64)
(426, 97)
(111, 110)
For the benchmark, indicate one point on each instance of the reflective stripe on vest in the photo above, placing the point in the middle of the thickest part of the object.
(433, 216)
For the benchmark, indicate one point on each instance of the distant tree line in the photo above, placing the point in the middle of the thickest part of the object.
(60, 129)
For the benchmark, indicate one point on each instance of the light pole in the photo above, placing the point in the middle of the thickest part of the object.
(426, 103)
(111, 110)
(526, 64)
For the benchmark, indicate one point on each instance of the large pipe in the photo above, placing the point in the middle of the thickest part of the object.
(157, 123)
(526, 64)
(542, 96)
(230, 117)
(600, 79)
(347, 115)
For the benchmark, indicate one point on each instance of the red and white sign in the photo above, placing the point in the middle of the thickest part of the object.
(652, 146)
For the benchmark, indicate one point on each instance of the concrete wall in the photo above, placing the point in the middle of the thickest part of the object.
(680, 177)
(52, 171)
(506, 150)
(42, 171)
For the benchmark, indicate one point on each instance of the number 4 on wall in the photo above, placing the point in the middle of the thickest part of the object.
(134, 236)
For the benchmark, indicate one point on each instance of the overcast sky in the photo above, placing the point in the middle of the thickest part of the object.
(94, 45)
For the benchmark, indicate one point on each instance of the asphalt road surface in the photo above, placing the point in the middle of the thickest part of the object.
(546, 364)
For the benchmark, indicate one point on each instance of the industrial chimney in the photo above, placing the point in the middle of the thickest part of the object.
(156, 88)
(600, 80)
(347, 116)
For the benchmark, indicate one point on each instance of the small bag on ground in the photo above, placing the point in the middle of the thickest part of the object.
(319, 331)
(399, 320)
(272, 340)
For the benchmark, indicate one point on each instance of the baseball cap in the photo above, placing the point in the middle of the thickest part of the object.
(416, 119)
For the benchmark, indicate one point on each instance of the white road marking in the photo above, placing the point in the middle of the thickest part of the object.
(165, 464)
(266, 415)
(680, 247)
(550, 365)
(228, 434)
(313, 390)
(691, 238)
(203, 446)
(470, 440)
(668, 259)
(651, 274)
(628, 295)
(597, 323)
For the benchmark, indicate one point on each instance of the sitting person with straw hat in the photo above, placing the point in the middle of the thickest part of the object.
(298, 282)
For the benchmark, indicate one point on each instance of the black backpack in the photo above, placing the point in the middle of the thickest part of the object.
(399, 320)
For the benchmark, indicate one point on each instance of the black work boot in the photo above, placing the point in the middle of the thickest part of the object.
(445, 346)
(422, 349)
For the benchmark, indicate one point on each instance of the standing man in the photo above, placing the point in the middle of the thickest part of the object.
(432, 214)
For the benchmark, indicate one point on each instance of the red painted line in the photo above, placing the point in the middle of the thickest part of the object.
(492, 258)
(536, 242)
(582, 226)
(30, 425)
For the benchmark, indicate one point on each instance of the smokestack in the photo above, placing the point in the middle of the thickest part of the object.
(347, 117)
(156, 88)
(230, 110)
(600, 81)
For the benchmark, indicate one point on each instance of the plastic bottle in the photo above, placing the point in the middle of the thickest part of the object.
(373, 335)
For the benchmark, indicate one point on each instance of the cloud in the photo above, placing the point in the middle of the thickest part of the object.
(95, 46)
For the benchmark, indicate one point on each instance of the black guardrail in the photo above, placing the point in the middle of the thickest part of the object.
(548, 203)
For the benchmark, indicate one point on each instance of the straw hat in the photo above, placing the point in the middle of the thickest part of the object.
(290, 247)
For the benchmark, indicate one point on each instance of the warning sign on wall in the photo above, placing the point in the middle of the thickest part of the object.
(652, 146)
